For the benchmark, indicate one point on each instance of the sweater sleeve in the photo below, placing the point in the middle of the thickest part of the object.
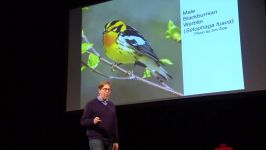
(87, 116)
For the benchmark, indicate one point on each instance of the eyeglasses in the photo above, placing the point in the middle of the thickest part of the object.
(106, 89)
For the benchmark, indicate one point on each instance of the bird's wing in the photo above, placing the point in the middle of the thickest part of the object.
(139, 43)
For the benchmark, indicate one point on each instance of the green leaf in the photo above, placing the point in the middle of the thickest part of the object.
(83, 68)
(173, 32)
(85, 8)
(166, 61)
(147, 73)
(93, 61)
(85, 47)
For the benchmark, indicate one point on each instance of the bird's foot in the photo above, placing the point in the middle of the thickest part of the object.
(130, 72)
(114, 65)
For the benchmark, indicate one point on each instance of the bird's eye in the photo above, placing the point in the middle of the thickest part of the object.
(114, 29)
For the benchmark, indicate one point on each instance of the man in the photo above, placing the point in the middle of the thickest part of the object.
(99, 118)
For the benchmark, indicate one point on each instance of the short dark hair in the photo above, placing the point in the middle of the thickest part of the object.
(102, 83)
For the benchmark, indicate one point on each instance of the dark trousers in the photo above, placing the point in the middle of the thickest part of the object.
(98, 144)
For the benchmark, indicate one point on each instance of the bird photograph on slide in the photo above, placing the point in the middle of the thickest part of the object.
(139, 53)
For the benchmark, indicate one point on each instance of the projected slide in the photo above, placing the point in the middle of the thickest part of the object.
(158, 50)
(211, 49)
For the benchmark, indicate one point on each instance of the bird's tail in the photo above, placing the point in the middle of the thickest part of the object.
(161, 74)
(156, 69)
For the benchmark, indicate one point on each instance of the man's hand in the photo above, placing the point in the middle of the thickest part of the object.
(115, 146)
(96, 120)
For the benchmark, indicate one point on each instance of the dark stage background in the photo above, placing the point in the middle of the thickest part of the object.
(40, 121)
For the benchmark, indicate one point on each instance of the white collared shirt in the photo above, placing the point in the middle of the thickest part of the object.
(105, 102)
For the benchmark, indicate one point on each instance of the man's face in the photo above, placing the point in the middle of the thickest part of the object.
(105, 92)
